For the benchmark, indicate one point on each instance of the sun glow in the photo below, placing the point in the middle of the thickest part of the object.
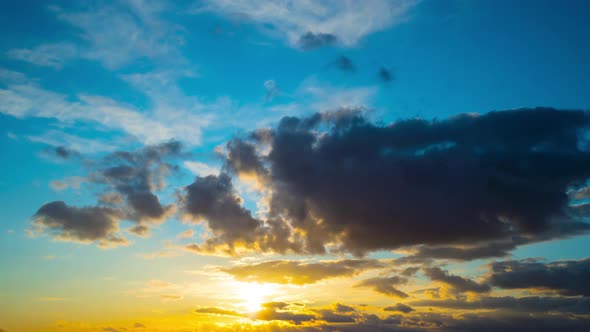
(254, 295)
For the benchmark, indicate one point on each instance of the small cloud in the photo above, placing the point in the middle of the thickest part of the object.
(345, 64)
(158, 254)
(170, 297)
(73, 182)
(385, 75)
(272, 90)
(399, 307)
(201, 169)
(218, 311)
(310, 40)
(189, 233)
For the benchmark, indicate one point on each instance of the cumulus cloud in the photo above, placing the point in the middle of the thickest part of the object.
(131, 180)
(79, 224)
(213, 199)
(135, 176)
(477, 185)
(301, 272)
(309, 24)
(568, 277)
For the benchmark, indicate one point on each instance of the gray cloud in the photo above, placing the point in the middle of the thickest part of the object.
(524, 304)
(385, 75)
(310, 40)
(385, 285)
(79, 224)
(569, 277)
(399, 307)
(458, 283)
(475, 185)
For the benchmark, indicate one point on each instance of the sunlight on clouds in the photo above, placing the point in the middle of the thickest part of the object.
(254, 295)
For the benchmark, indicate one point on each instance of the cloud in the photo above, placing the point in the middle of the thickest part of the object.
(146, 34)
(70, 182)
(170, 297)
(344, 63)
(310, 40)
(213, 199)
(385, 75)
(201, 169)
(130, 180)
(135, 176)
(385, 285)
(526, 304)
(285, 312)
(458, 283)
(465, 182)
(218, 311)
(300, 272)
(343, 308)
(399, 307)
(150, 127)
(84, 224)
(47, 55)
(568, 277)
(272, 90)
(138, 325)
(58, 140)
(333, 316)
(308, 24)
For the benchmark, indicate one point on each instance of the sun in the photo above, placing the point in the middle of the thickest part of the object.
(254, 295)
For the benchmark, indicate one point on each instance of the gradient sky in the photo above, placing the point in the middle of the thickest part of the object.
(378, 165)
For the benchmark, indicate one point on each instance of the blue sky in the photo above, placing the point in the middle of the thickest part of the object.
(99, 77)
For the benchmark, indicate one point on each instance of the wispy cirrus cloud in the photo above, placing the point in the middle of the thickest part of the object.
(313, 24)
(138, 23)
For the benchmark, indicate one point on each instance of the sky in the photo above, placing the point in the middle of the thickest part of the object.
(276, 165)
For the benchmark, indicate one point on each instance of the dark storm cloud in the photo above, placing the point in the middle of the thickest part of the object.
(465, 182)
(385, 75)
(568, 277)
(301, 273)
(399, 307)
(310, 40)
(79, 224)
(458, 283)
(385, 285)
